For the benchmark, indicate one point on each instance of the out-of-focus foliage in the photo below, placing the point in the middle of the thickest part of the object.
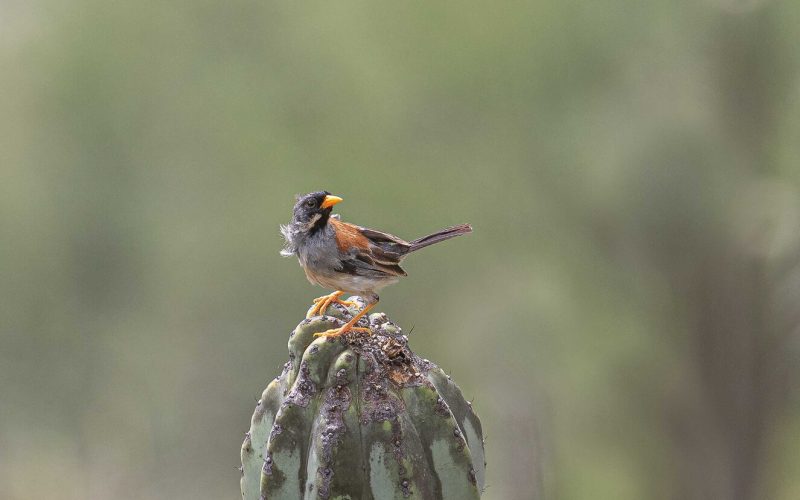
(626, 313)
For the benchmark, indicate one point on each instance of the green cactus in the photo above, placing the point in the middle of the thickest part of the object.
(361, 417)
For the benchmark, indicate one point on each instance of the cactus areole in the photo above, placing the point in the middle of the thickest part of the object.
(361, 417)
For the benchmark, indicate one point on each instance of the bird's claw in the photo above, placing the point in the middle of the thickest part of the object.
(336, 332)
(322, 303)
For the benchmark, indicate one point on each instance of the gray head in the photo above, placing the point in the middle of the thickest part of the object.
(310, 214)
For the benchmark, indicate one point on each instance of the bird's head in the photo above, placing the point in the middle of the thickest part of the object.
(312, 210)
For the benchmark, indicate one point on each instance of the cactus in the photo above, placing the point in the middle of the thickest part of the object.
(361, 417)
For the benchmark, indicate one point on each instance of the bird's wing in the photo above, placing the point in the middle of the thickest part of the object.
(369, 252)
(365, 265)
(385, 247)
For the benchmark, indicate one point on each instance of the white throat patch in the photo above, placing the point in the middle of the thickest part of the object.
(308, 225)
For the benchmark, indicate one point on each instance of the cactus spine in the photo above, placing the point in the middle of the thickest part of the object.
(361, 417)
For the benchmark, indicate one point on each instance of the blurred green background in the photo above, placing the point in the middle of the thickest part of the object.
(626, 314)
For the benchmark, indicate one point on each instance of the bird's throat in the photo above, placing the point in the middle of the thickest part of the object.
(320, 223)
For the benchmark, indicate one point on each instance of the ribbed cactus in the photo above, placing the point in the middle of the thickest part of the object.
(361, 417)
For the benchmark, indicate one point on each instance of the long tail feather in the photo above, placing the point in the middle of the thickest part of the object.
(444, 234)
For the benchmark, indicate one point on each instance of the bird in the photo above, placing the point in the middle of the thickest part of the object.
(348, 258)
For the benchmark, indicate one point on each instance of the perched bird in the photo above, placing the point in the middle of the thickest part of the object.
(348, 258)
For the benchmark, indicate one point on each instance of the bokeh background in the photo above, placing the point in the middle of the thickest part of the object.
(625, 315)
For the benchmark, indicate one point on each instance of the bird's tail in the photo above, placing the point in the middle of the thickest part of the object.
(444, 234)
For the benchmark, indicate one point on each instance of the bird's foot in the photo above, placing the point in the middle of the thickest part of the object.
(322, 303)
(350, 326)
(335, 332)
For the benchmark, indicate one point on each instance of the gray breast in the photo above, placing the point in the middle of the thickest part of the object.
(320, 254)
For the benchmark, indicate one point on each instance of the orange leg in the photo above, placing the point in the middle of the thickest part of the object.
(349, 327)
(322, 303)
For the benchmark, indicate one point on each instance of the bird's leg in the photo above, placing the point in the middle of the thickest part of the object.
(322, 303)
(350, 325)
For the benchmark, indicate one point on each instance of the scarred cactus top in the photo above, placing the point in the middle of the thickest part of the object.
(361, 416)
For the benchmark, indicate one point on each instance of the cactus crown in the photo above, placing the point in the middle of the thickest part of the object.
(361, 417)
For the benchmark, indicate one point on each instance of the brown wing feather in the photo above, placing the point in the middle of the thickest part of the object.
(381, 251)
(386, 247)
(348, 236)
(386, 267)
(380, 237)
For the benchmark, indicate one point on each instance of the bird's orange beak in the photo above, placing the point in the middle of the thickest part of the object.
(330, 201)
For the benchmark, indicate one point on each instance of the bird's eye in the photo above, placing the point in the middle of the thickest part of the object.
(311, 203)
